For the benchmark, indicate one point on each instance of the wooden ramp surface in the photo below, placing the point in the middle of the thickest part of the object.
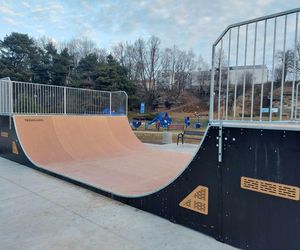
(98, 150)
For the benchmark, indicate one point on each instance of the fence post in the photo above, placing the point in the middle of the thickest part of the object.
(296, 105)
(212, 82)
(11, 96)
(65, 100)
(110, 103)
(126, 103)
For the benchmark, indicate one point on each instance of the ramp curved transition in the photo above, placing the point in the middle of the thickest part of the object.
(98, 150)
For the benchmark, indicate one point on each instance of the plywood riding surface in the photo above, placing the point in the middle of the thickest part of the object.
(98, 150)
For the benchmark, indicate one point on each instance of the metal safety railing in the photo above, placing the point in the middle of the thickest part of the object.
(256, 70)
(31, 98)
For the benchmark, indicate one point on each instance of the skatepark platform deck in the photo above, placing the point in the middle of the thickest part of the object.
(283, 125)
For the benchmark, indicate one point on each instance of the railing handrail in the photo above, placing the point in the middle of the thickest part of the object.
(254, 20)
(54, 99)
(217, 79)
(58, 86)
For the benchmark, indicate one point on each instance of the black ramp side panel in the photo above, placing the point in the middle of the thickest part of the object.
(203, 171)
(6, 150)
(253, 220)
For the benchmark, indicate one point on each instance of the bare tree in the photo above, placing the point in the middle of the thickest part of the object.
(152, 60)
(248, 77)
(118, 53)
(297, 55)
(124, 53)
(43, 41)
(184, 67)
(220, 64)
(168, 64)
(201, 64)
(146, 57)
(101, 55)
(220, 59)
(285, 62)
(156, 70)
(178, 66)
(291, 60)
(139, 55)
(80, 48)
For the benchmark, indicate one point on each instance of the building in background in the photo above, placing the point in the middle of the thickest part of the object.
(201, 78)
(259, 73)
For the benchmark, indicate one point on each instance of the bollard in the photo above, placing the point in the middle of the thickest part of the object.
(167, 138)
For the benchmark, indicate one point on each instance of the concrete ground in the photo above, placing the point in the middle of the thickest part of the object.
(38, 211)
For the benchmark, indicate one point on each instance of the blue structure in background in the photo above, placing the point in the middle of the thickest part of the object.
(136, 124)
(105, 111)
(120, 111)
(187, 121)
(142, 108)
(164, 121)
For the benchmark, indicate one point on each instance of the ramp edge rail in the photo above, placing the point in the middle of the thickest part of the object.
(25, 98)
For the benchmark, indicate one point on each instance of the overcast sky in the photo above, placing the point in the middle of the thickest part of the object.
(190, 24)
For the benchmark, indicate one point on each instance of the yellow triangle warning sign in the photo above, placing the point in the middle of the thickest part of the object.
(14, 148)
(197, 200)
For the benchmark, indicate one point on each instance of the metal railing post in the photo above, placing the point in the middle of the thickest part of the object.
(228, 75)
(273, 69)
(126, 104)
(245, 73)
(296, 105)
(263, 72)
(110, 103)
(10, 98)
(220, 80)
(283, 70)
(294, 67)
(236, 69)
(253, 74)
(212, 83)
(65, 100)
(11, 94)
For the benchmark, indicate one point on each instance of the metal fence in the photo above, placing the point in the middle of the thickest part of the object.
(31, 98)
(255, 70)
